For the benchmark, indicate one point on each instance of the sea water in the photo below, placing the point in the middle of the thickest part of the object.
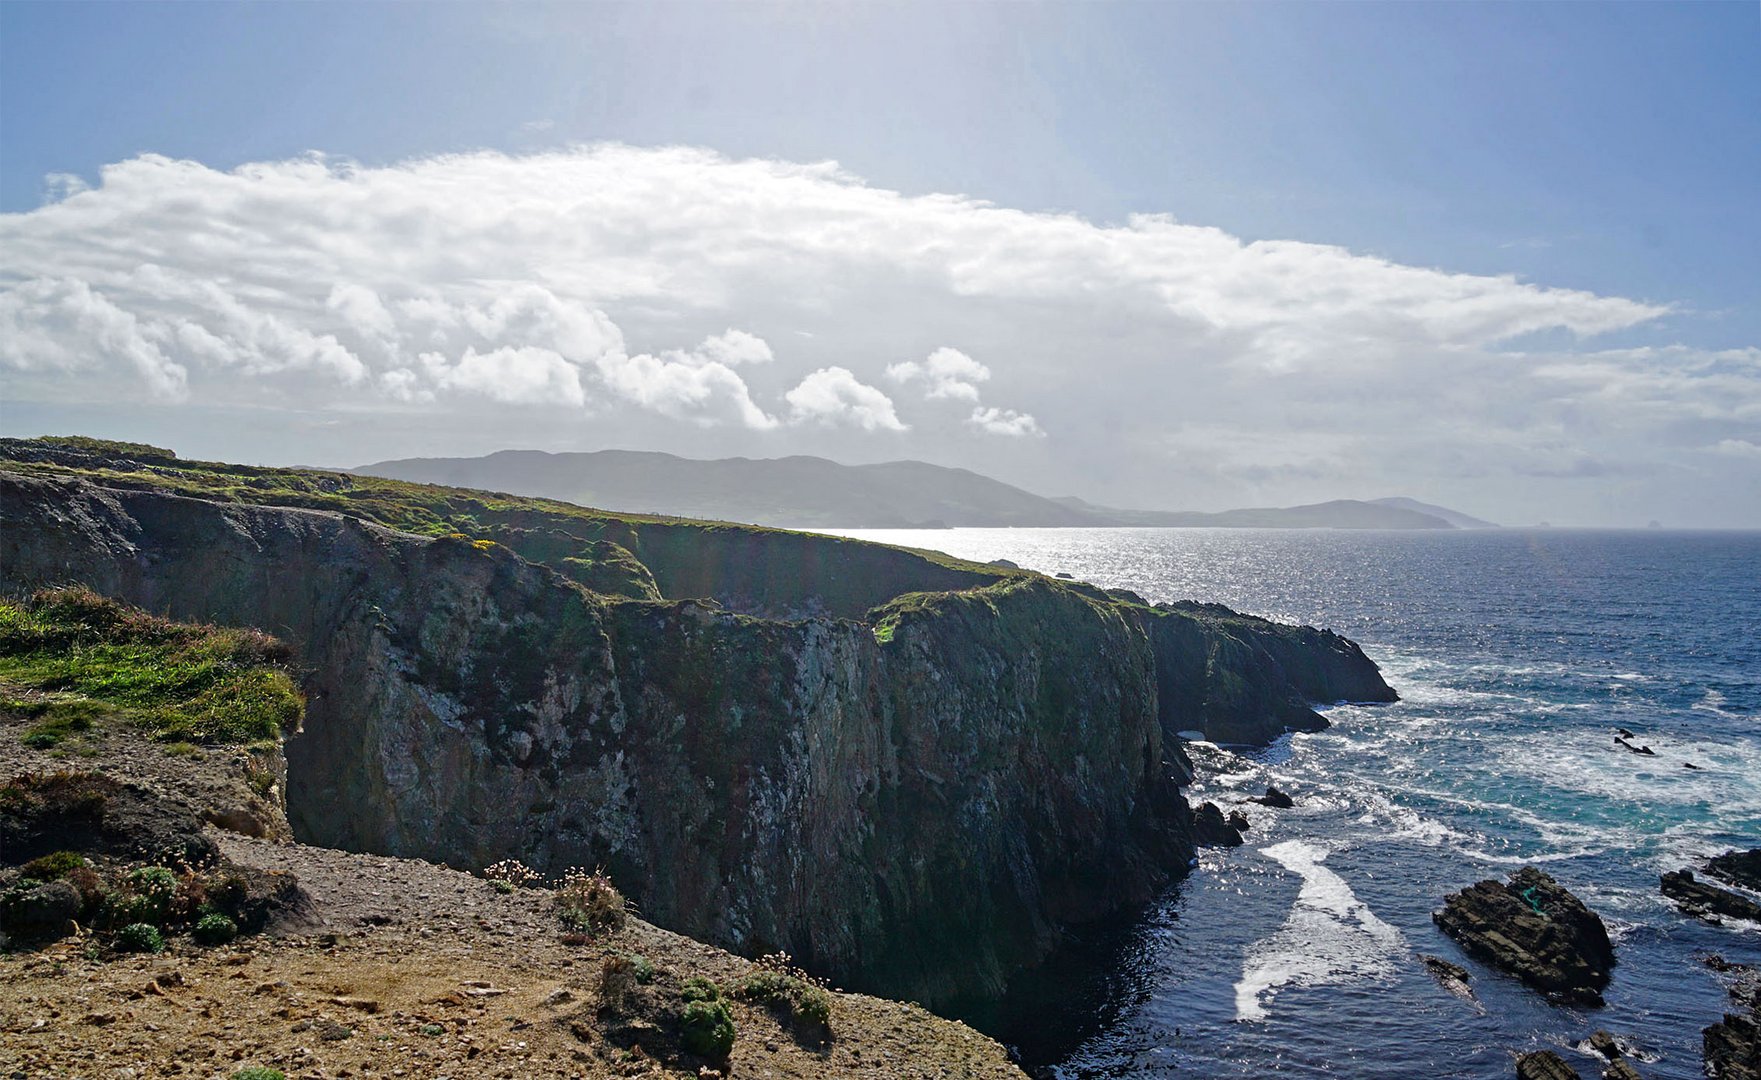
(1517, 654)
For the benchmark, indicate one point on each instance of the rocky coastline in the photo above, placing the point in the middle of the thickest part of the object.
(912, 774)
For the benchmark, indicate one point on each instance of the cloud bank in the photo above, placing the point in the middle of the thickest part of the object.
(566, 287)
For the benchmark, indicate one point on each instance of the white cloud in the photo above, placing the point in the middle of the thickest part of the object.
(947, 373)
(1004, 422)
(569, 282)
(685, 386)
(67, 326)
(834, 396)
(516, 376)
(736, 347)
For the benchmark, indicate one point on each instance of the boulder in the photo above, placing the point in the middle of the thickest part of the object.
(1211, 828)
(1620, 1070)
(1536, 930)
(1737, 867)
(1603, 1043)
(1732, 1048)
(1544, 1065)
(1707, 901)
(1274, 798)
(40, 912)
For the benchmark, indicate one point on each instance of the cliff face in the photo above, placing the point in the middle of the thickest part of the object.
(914, 803)
(917, 817)
(1241, 679)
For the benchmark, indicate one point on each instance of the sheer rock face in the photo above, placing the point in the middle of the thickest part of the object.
(915, 804)
(1534, 929)
(1241, 679)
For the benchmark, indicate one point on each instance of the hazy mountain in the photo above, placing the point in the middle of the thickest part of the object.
(804, 492)
(1337, 514)
(1454, 517)
(811, 492)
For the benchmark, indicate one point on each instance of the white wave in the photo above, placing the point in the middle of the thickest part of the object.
(1330, 936)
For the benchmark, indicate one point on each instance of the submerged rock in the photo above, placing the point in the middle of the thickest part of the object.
(1544, 1065)
(1536, 930)
(1705, 901)
(1452, 977)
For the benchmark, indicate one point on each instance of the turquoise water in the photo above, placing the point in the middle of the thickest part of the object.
(1516, 653)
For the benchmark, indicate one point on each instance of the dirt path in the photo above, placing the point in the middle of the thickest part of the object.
(404, 968)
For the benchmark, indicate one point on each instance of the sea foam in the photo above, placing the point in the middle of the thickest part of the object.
(1329, 936)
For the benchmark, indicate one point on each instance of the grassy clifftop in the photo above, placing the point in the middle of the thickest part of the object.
(70, 658)
(745, 567)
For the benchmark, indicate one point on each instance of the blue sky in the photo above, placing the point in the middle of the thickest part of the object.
(1610, 149)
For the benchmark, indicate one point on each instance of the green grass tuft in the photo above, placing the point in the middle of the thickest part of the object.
(88, 658)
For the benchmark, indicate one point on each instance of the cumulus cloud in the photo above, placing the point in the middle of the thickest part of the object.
(568, 284)
(834, 396)
(1004, 422)
(947, 373)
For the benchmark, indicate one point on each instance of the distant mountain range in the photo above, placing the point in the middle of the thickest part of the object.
(811, 492)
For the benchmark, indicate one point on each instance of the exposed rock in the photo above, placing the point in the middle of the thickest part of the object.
(1536, 930)
(1004, 563)
(1707, 901)
(1732, 1048)
(1737, 867)
(1620, 1070)
(1275, 798)
(1211, 828)
(1603, 1043)
(1644, 750)
(1241, 679)
(1544, 1065)
(1238, 821)
(90, 813)
(917, 803)
(1452, 977)
(40, 913)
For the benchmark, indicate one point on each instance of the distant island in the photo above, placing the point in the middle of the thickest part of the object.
(812, 492)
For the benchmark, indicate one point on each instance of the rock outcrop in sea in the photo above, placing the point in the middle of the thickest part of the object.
(1536, 930)
(912, 774)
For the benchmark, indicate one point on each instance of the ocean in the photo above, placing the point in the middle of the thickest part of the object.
(1517, 653)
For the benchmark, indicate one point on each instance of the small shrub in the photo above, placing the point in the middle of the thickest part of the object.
(40, 740)
(182, 749)
(140, 937)
(503, 887)
(215, 929)
(153, 888)
(589, 902)
(785, 989)
(54, 866)
(617, 980)
(515, 873)
(698, 988)
(258, 1072)
(706, 1028)
(433, 1031)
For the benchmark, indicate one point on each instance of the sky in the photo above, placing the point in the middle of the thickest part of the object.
(1502, 257)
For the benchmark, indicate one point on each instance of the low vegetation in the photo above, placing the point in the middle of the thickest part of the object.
(71, 660)
(589, 903)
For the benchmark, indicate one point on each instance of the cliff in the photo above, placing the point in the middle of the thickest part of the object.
(913, 784)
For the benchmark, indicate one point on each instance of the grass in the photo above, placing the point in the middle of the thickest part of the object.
(70, 659)
(779, 569)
